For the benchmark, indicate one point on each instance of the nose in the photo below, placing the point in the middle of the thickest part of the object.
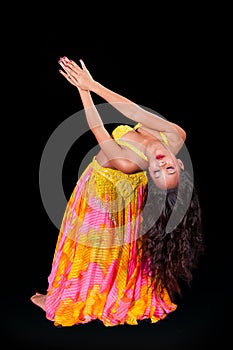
(162, 162)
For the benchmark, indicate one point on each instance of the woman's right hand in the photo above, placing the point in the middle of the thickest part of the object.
(76, 75)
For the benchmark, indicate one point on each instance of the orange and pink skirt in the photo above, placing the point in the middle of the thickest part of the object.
(96, 270)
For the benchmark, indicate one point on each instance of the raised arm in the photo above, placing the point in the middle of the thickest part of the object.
(118, 156)
(127, 107)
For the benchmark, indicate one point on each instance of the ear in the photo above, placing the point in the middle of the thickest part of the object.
(181, 164)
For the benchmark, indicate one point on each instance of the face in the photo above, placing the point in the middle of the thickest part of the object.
(164, 168)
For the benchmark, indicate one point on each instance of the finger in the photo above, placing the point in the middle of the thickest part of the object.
(72, 80)
(71, 74)
(63, 73)
(75, 65)
(83, 64)
(67, 69)
(64, 65)
(71, 68)
(68, 77)
(70, 63)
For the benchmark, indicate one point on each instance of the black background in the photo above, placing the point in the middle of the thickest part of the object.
(159, 61)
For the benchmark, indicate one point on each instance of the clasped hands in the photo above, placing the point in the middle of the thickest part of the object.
(76, 75)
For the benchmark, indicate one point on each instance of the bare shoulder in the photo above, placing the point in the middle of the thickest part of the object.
(174, 139)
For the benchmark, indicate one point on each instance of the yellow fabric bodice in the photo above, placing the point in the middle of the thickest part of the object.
(121, 130)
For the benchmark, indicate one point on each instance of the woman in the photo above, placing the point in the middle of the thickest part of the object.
(116, 259)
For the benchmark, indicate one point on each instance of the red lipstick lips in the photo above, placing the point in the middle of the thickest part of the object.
(160, 156)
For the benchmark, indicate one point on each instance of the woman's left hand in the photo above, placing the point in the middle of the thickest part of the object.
(76, 75)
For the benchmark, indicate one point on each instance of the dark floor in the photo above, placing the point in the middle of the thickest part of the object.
(194, 325)
(197, 323)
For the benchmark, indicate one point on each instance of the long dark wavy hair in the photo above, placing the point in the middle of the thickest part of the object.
(173, 240)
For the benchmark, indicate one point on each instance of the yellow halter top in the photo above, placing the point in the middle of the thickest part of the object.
(121, 130)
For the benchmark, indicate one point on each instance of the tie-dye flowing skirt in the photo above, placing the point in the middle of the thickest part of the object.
(96, 270)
